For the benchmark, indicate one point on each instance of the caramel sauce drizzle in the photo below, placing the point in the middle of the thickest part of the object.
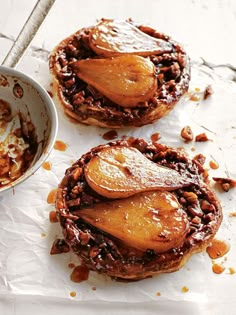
(53, 216)
(80, 274)
(217, 249)
(60, 145)
(52, 196)
(47, 166)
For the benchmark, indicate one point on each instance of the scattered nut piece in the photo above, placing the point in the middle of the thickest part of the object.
(190, 196)
(202, 137)
(200, 158)
(208, 92)
(187, 134)
(226, 183)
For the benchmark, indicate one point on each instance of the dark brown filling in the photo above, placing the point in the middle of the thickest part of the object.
(15, 161)
(104, 253)
(172, 74)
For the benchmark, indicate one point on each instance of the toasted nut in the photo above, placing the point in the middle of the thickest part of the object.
(196, 220)
(226, 183)
(202, 137)
(187, 134)
(208, 92)
(200, 158)
(191, 197)
(207, 206)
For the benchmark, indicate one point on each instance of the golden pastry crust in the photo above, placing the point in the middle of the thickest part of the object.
(86, 105)
(102, 252)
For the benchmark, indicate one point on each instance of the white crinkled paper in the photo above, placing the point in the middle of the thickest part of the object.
(33, 281)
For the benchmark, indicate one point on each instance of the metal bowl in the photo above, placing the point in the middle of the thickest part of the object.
(32, 105)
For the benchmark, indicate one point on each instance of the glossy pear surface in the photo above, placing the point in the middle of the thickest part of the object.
(126, 80)
(150, 220)
(120, 172)
(110, 37)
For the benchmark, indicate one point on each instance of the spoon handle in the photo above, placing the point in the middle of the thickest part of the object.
(28, 32)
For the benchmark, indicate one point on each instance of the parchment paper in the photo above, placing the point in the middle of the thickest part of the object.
(33, 281)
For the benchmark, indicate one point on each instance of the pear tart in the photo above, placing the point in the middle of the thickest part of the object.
(130, 209)
(117, 74)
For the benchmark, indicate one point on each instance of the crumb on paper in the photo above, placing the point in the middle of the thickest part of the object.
(200, 158)
(43, 235)
(158, 293)
(202, 137)
(208, 92)
(225, 183)
(187, 134)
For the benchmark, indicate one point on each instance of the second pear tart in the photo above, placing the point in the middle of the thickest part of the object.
(131, 209)
(117, 73)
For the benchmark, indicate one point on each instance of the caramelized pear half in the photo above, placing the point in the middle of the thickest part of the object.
(151, 220)
(110, 37)
(126, 80)
(120, 172)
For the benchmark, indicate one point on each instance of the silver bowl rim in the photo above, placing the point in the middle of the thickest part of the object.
(46, 98)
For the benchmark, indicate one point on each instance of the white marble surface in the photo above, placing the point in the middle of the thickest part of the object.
(206, 28)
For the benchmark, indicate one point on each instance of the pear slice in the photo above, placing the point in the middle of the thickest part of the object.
(151, 220)
(120, 172)
(112, 37)
(126, 80)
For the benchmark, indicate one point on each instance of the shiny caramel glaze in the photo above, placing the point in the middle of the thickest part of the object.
(102, 252)
(85, 104)
(18, 146)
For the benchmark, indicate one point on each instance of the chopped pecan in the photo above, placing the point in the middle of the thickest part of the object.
(202, 137)
(208, 92)
(226, 183)
(187, 134)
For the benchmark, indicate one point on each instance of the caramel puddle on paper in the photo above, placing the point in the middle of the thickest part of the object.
(110, 135)
(218, 268)
(47, 166)
(218, 248)
(52, 196)
(73, 294)
(213, 165)
(79, 274)
(184, 289)
(232, 271)
(53, 216)
(60, 145)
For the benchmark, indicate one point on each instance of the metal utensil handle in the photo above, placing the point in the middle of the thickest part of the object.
(28, 32)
